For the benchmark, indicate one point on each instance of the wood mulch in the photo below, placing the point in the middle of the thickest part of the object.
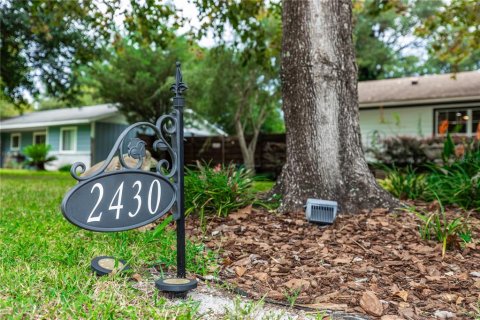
(373, 263)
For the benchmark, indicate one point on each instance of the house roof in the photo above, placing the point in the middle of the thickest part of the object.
(463, 86)
(195, 125)
(59, 117)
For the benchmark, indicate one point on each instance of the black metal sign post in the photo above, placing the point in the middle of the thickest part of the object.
(130, 198)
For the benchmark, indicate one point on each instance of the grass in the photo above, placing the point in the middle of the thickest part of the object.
(262, 186)
(45, 261)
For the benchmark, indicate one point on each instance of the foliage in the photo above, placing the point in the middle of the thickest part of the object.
(250, 310)
(400, 151)
(37, 155)
(241, 96)
(454, 31)
(386, 46)
(256, 27)
(46, 40)
(218, 190)
(403, 151)
(380, 32)
(223, 84)
(448, 148)
(244, 95)
(139, 79)
(447, 231)
(7, 108)
(87, 95)
(261, 185)
(51, 43)
(65, 168)
(45, 261)
(456, 183)
(50, 40)
(292, 295)
(404, 184)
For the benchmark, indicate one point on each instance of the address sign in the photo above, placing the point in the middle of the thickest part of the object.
(130, 198)
(119, 201)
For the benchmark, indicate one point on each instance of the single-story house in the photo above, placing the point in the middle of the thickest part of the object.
(84, 134)
(419, 106)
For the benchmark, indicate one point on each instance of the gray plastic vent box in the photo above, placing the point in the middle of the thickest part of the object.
(321, 211)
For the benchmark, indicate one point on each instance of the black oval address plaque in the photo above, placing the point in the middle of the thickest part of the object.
(118, 201)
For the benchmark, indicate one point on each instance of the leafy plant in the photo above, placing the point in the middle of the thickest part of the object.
(399, 151)
(404, 184)
(37, 155)
(448, 148)
(456, 183)
(218, 190)
(292, 296)
(402, 151)
(437, 225)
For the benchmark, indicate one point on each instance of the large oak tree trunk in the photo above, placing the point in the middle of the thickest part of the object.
(319, 89)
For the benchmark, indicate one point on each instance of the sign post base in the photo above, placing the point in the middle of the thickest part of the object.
(176, 287)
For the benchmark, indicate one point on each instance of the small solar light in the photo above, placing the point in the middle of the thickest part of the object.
(321, 211)
(103, 265)
(176, 287)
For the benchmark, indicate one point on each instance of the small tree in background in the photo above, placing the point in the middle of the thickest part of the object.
(37, 155)
(139, 79)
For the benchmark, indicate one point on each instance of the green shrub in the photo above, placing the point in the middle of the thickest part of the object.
(37, 155)
(404, 184)
(456, 183)
(399, 151)
(218, 190)
(403, 151)
(65, 168)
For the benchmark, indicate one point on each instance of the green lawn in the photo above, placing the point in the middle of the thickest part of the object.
(262, 186)
(45, 261)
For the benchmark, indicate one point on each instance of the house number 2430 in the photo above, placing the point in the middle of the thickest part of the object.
(153, 200)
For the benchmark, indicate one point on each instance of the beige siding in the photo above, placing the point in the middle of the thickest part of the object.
(417, 121)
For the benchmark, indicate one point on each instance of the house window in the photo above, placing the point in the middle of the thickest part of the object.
(15, 140)
(39, 138)
(68, 139)
(457, 121)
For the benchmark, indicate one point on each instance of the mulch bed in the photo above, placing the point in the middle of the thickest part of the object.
(373, 263)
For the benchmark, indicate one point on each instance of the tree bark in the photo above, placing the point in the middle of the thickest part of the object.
(320, 101)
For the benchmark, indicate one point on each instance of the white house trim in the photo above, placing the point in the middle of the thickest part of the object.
(415, 103)
(19, 135)
(17, 126)
(60, 147)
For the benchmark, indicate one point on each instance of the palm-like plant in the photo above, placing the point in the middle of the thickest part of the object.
(37, 155)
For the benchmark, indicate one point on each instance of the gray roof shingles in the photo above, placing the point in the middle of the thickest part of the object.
(403, 90)
(80, 114)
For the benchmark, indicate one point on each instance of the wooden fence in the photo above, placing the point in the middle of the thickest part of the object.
(269, 154)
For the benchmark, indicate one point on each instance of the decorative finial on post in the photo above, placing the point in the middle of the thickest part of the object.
(178, 87)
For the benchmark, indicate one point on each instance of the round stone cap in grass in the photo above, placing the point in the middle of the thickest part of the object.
(103, 265)
(176, 285)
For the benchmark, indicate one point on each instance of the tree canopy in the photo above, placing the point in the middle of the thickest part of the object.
(45, 42)
(46, 45)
